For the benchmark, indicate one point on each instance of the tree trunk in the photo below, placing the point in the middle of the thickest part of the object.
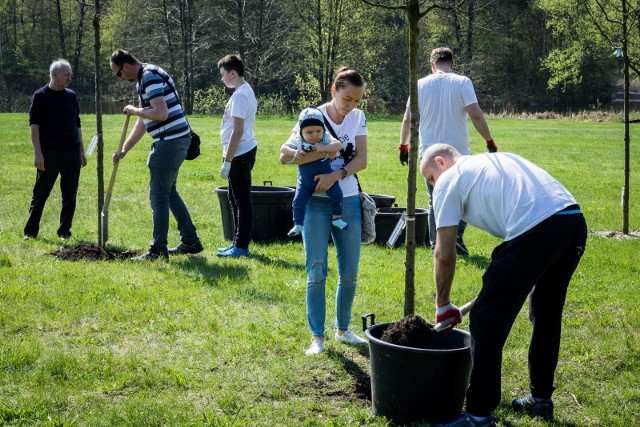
(625, 56)
(469, 50)
(257, 69)
(322, 81)
(76, 55)
(240, 16)
(98, 95)
(185, 25)
(413, 14)
(63, 50)
(167, 34)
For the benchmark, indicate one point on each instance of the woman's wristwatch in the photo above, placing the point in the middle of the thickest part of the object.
(343, 173)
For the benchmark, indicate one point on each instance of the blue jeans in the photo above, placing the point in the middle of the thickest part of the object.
(317, 226)
(432, 219)
(164, 163)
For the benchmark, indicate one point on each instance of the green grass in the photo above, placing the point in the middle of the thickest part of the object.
(202, 341)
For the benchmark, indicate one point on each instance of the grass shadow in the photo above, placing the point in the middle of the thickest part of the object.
(211, 273)
(278, 262)
(362, 379)
(479, 261)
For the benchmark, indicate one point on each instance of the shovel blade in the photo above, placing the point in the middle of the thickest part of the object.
(104, 228)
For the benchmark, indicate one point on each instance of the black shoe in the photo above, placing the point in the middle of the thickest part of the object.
(461, 249)
(64, 236)
(28, 237)
(535, 407)
(184, 248)
(153, 254)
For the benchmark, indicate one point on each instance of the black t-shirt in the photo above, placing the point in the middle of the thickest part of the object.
(58, 115)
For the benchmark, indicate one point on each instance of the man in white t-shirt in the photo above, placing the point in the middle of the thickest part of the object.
(239, 148)
(544, 236)
(446, 101)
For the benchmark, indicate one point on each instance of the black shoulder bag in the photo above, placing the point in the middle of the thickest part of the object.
(367, 205)
(194, 147)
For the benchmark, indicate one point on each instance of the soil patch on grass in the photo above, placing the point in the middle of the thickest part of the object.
(91, 252)
(616, 234)
(411, 331)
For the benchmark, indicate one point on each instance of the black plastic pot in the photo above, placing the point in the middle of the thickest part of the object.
(383, 200)
(272, 212)
(410, 384)
(387, 218)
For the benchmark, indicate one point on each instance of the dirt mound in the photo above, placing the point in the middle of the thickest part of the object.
(85, 251)
(411, 331)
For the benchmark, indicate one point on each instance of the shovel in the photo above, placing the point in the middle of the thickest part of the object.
(441, 326)
(104, 215)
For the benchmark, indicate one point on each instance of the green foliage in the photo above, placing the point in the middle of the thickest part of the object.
(308, 93)
(210, 101)
(564, 67)
(273, 105)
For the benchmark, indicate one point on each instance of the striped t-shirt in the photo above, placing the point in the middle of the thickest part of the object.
(153, 81)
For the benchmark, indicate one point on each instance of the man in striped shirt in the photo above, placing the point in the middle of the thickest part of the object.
(159, 114)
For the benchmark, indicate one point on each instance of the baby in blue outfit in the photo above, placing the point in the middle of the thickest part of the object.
(313, 137)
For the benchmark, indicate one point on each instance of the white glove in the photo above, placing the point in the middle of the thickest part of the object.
(308, 147)
(225, 169)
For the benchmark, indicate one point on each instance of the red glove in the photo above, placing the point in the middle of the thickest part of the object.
(404, 154)
(446, 311)
(491, 146)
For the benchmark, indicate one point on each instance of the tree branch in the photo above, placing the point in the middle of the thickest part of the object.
(384, 6)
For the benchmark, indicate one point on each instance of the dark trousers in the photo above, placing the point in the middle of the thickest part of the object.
(240, 197)
(306, 186)
(66, 164)
(538, 264)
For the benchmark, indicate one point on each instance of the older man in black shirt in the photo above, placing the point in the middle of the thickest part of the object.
(54, 117)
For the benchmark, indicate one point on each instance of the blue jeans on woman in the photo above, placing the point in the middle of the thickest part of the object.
(317, 226)
(164, 162)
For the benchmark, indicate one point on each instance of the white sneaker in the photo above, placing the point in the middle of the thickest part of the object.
(317, 346)
(350, 338)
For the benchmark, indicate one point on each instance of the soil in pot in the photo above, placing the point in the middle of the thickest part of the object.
(411, 331)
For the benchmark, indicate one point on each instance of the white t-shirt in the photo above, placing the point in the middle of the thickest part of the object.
(242, 104)
(442, 98)
(354, 124)
(501, 193)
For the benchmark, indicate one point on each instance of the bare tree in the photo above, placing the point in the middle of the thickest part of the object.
(416, 10)
(98, 94)
(616, 25)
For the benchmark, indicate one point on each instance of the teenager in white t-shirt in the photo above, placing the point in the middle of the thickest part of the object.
(350, 128)
(544, 235)
(446, 101)
(239, 148)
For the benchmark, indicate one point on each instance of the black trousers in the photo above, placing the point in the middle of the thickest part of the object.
(538, 264)
(66, 164)
(240, 197)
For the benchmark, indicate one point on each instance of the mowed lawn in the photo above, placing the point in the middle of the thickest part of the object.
(202, 341)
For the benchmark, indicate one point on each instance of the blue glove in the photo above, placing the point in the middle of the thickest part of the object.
(225, 169)
(446, 311)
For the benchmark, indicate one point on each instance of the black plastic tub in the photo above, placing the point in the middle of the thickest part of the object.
(272, 212)
(411, 384)
(387, 218)
(383, 200)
